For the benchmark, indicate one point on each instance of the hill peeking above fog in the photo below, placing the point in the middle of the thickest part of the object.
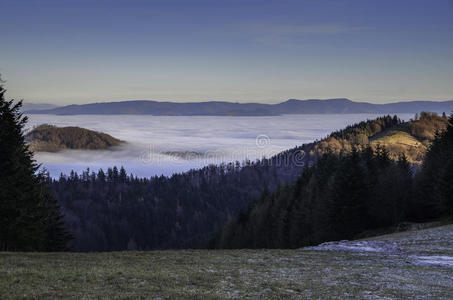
(50, 138)
(219, 108)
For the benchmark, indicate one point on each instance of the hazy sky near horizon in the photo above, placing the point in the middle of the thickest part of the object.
(66, 52)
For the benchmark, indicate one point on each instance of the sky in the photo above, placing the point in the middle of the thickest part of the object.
(66, 52)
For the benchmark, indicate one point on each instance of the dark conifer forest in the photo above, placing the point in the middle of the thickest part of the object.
(344, 195)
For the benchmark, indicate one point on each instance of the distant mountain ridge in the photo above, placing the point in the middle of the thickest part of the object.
(37, 106)
(220, 108)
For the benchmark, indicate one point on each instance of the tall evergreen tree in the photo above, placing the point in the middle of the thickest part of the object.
(446, 187)
(30, 218)
(433, 190)
(349, 194)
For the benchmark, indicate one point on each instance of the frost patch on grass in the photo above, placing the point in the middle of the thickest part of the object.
(360, 246)
(439, 260)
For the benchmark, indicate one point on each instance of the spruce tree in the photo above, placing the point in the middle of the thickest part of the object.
(446, 187)
(433, 187)
(446, 174)
(348, 194)
(30, 218)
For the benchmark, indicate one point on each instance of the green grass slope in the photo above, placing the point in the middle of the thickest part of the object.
(227, 274)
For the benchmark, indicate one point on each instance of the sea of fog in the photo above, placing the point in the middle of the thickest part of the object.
(165, 145)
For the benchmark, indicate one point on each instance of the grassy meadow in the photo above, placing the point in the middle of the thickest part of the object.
(220, 274)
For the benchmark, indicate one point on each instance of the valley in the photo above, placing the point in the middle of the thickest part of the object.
(226, 150)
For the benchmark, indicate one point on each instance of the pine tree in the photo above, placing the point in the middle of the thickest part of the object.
(123, 175)
(30, 219)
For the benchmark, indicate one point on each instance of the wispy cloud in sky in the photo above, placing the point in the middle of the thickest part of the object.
(293, 34)
(313, 29)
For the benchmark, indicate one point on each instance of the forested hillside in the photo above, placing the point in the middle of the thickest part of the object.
(337, 198)
(113, 211)
(344, 195)
(410, 138)
(50, 138)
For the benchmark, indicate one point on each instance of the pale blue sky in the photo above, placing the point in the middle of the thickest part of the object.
(262, 51)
